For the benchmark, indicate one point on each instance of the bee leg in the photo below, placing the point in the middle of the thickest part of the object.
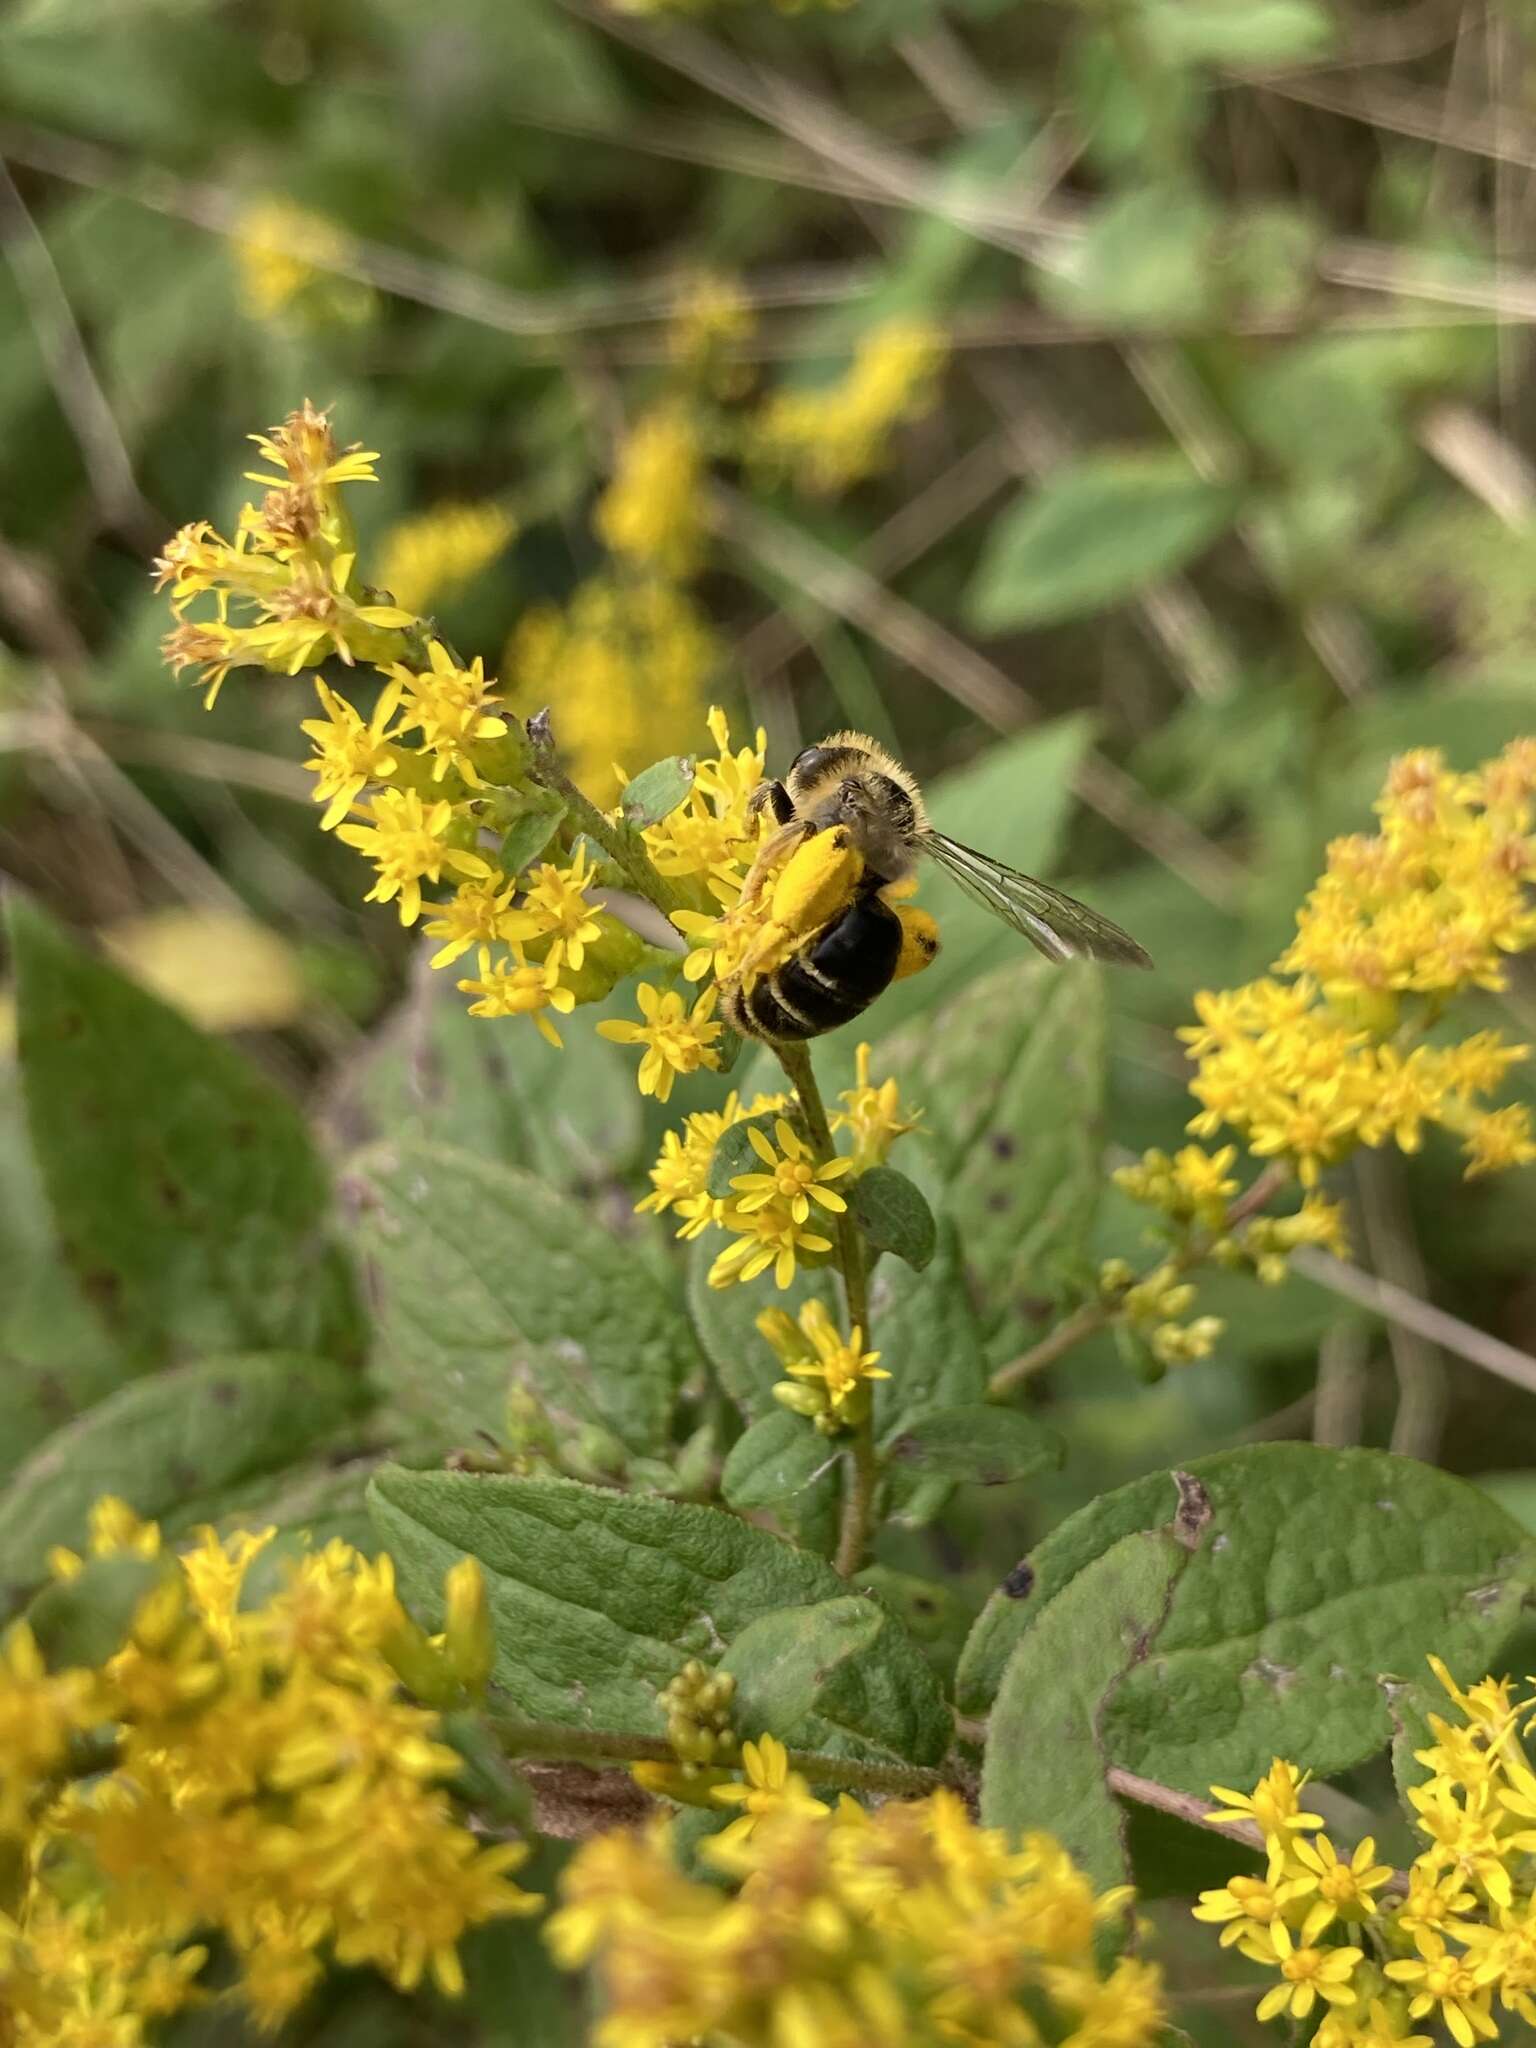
(769, 854)
(772, 796)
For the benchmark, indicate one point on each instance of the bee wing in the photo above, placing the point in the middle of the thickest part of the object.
(1056, 925)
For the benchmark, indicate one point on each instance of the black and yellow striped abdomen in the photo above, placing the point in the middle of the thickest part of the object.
(828, 982)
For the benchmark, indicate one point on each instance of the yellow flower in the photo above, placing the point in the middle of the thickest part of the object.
(652, 512)
(1244, 1906)
(404, 839)
(625, 665)
(838, 1930)
(516, 987)
(828, 437)
(1343, 1890)
(676, 1040)
(768, 1787)
(1500, 1139)
(1466, 1833)
(39, 1712)
(1435, 1977)
(349, 754)
(765, 1237)
(555, 906)
(794, 1179)
(1307, 1974)
(437, 552)
(680, 1176)
(304, 453)
(280, 250)
(1273, 1806)
(841, 1364)
(474, 915)
(873, 1115)
(453, 709)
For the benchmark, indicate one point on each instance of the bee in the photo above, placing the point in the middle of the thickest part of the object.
(849, 787)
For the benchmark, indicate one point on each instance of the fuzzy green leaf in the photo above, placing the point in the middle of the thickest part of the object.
(843, 1677)
(1093, 534)
(474, 1262)
(1011, 1078)
(777, 1457)
(188, 1195)
(527, 837)
(734, 1153)
(84, 1620)
(893, 1214)
(658, 790)
(1321, 1574)
(571, 1114)
(598, 1598)
(980, 1444)
(166, 1442)
(1046, 1760)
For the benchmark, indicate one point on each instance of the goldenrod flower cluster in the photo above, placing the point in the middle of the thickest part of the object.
(291, 265)
(240, 1768)
(289, 577)
(830, 436)
(779, 1213)
(910, 1926)
(435, 775)
(1192, 1192)
(626, 663)
(433, 554)
(1334, 1056)
(829, 1374)
(1451, 1942)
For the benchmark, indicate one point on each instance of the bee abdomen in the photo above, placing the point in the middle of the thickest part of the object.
(828, 982)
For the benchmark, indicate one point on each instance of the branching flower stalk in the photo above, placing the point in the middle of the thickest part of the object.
(442, 787)
(1345, 1046)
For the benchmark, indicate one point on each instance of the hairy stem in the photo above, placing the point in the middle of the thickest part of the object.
(620, 844)
(548, 1742)
(863, 1463)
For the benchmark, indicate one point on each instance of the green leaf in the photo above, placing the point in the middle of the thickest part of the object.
(58, 1359)
(842, 1677)
(893, 1214)
(933, 1614)
(1094, 533)
(571, 1115)
(486, 1781)
(930, 1343)
(1145, 260)
(1322, 1574)
(658, 790)
(84, 1620)
(734, 1155)
(981, 1444)
(598, 1598)
(777, 1457)
(164, 1442)
(1013, 802)
(726, 1321)
(1046, 1759)
(527, 837)
(473, 1263)
(188, 1195)
(1410, 1702)
(1011, 1081)
(1258, 34)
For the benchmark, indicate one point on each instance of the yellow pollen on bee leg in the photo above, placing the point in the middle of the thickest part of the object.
(919, 941)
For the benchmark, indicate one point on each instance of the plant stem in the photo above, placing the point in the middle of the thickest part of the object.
(1093, 1316)
(549, 1742)
(620, 843)
(863, 1463)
